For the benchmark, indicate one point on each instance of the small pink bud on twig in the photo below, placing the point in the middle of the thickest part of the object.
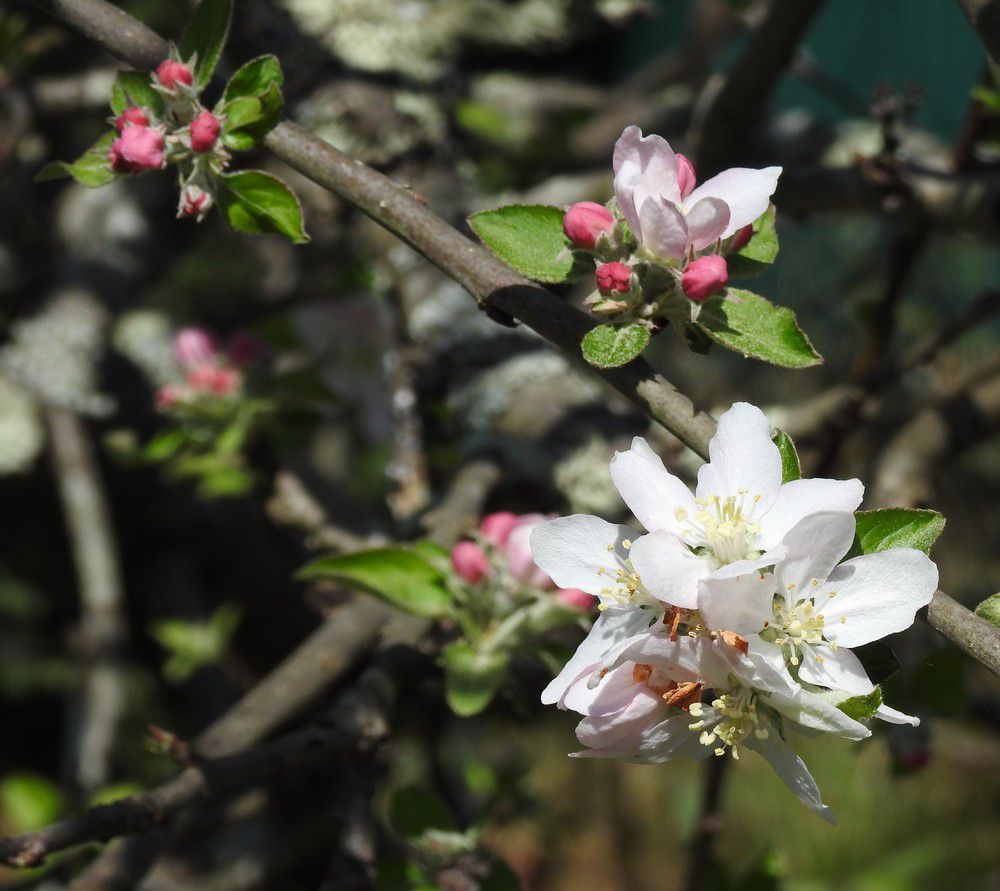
(741, 238)
(469, 561)
(131, 115)
(214, 380)
(193, 347)
(686, 179)
(585, 222)
(138, 148)
(704, 277)
(204, 131)
(171, 73)
(496, 527)
(195, 202)
(613, 278)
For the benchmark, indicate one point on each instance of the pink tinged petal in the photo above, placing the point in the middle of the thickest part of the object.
(747, 192)
(661, 742)
(614, 627)
(574, 598)
(791, 770)
(839, 669)
(742, 604)
(668, 569)
(686, 178)
(496, 527)
(876, 595)
(684, 659)
(620, 706)
(891, 716)
(814, 546)
(706, 221)
(662, 228)
(644, 164)
(742, 457)
(799, 498)
(651, 492)
(517, 550)
(579, 551)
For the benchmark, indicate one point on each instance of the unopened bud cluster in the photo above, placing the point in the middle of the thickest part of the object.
(211, 371)
(659, 247)
(184, 134)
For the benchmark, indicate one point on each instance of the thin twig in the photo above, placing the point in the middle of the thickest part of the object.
(709, 824)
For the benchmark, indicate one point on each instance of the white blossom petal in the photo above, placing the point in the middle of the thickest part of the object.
(706, 221)
(891, 716)
(742, 604)
(653, 745)
(747, 192)
(816, 713)
(662, 228)
(647, 163)
(792, 771)
(839, 669)
(814, 546)
(668, 569)
(613, 627)
(799, 498)
(875, 595)
(742, 457)
(684, 659)
(579, 551)
(651, 492)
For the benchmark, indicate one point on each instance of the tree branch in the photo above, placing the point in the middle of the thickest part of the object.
(984, 16)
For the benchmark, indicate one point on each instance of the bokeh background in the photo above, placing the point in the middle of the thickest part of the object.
(476, 103)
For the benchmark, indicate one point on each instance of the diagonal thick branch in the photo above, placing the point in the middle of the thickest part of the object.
(487, 279)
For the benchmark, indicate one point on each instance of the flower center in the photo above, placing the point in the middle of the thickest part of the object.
(725, 527)
(624, 587)
(734, 720)
(798, 624)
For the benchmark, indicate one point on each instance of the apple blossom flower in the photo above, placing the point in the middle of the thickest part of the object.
(585, 222)
(470, 562)
(133, 115)
(650, 185)
(204, 130)
(648, 708)
(704, 277)
(613, 278)
(137, 149)
(735, 521)
(814, 610)
(170, 73)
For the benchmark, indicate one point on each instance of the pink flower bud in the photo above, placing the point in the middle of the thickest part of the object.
(194, 202)
(170, 73)
(496, 528)
(168, 396)
(204, 131)
(686, 178)
(469, 561)
(585, 222)
(742, 238)
(517, 551)
(132, 115)
(613, 277)
(194, 347)
(576, 599)
(214, 380)
(704, 277)
(138, 148)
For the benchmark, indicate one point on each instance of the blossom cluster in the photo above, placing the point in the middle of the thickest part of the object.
(730, 623)
(660, 245)
(501, 556)
(184, 133)
(210, 370)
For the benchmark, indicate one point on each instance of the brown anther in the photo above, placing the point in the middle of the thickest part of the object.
(734, 640)
(641, 672)
(672, 616)
(684, 696)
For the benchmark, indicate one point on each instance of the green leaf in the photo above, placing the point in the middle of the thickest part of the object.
(254, 79)
(471, 677)
(256, 202)
(91, 169)
(193, 645)
(756, 328)
(879, 661)
(608, 346)
(989, 609)
(398, 576)
(790, 467)
(205, 36)
(861, 708)
(135, 88)
(758, 253)
(530, 239)
(29, 802)
(896, 527)
(248, 119)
